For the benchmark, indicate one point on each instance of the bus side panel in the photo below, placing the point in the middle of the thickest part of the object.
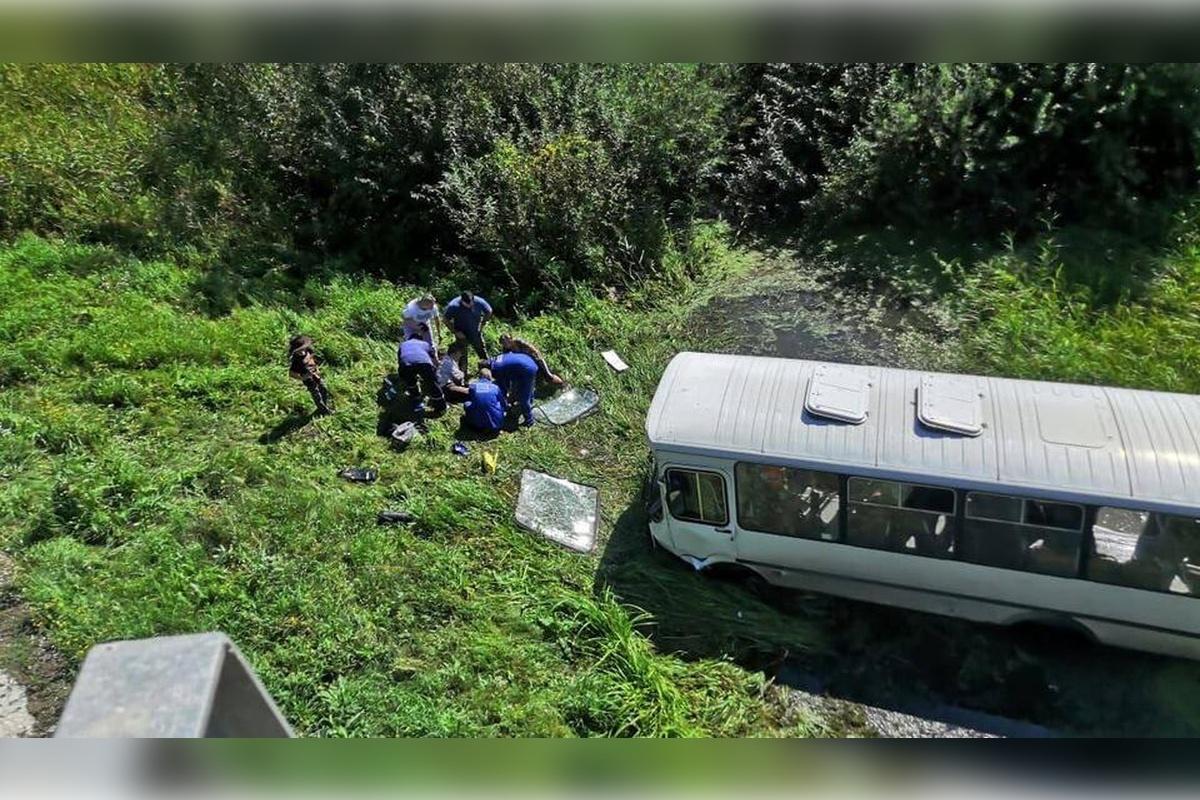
(981, 593)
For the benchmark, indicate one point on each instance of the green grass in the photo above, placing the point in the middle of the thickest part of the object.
(73, 139)
(161, 476)
(1127, 318)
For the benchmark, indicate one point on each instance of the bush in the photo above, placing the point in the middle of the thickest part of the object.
(981, 146)
(410, 171)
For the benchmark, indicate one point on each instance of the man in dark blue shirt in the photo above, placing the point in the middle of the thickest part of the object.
(516, 373)
(418, 370)
(485, 407)
(466, 315)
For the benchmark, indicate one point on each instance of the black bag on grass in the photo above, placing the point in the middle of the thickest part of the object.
(387, 393)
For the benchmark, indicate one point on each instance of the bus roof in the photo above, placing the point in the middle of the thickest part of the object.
(1139, 447)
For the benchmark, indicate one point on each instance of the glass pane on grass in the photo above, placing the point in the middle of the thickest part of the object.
(568, 406)
(562, 511)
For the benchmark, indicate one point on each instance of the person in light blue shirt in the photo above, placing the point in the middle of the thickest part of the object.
(485, 406)
(516, 374)
(467, 315)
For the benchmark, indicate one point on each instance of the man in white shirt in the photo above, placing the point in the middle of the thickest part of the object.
(423, 311)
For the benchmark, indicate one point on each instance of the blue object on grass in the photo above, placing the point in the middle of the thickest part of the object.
(459, 449)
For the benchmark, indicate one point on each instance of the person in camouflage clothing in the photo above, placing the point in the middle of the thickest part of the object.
(302, 365)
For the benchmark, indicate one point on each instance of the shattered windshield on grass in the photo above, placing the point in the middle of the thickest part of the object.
(568, 406)
(562, 511)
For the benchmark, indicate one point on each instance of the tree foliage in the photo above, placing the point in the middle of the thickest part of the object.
(979, 145)
(527, 178)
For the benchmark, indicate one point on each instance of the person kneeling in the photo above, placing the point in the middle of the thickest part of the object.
(485, 406)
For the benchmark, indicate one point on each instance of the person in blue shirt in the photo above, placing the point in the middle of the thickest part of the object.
(466, 315)
(516, 374)
(418, 368)
(485, 407)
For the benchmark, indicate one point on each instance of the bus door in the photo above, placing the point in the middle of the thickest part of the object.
(698, 511)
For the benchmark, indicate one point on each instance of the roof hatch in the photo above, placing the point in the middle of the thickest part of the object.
(839, 393)
(950, 403)
(1072, 420)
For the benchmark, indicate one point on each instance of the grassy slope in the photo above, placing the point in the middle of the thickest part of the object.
(160, 476)
(73, 138)
(1035, 322)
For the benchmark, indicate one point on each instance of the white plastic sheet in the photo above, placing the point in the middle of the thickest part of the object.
(614, 360)
(563, 512)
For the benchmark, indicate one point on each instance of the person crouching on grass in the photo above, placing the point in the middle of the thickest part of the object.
(511, 344)
(450, 375)
(484, 404)
(302, 365)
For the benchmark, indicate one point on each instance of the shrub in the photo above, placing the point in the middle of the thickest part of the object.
(982, 146)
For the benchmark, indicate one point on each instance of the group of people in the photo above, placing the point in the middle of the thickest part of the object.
(441, 378)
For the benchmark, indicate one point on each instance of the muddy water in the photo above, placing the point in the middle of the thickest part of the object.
(1001, 681)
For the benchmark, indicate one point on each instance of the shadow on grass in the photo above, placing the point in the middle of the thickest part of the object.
(982, 676)
(698, 616)
(512, 424)
(1113, 262)
(286, 427)
(403, 408)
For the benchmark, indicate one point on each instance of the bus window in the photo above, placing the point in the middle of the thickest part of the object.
(1146, 551)
(981, 505)
(1124, 550)
(1053, 515)
(1042, 537)
(904, 517)
(695, 496)
(1179, 546)
(928, 498)
(788, 502)
(876, 493)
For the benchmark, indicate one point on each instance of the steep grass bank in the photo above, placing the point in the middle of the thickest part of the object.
(1034, 321)
(1074, 303)
(162, 475)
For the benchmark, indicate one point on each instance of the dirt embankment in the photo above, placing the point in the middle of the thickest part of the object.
(34, 678)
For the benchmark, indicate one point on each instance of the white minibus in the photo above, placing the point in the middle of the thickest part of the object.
(997, 500)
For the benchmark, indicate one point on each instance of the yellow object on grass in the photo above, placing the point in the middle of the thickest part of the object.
(489, 462)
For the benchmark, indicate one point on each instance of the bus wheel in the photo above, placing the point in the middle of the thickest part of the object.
(760, 587)
(747, 579)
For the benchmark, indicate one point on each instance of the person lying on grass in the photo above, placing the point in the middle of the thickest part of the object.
(302, 365)
(484, 406)
(511, 344)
